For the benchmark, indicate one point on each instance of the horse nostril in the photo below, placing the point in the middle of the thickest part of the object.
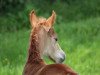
(62, 59)
(64, 56)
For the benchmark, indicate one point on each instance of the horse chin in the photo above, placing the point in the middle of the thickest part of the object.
(59, 62)
(56, 61)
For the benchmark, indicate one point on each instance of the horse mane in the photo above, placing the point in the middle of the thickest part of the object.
(34, 54)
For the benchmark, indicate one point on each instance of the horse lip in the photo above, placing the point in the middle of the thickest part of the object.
(52, 59)
(60, 59)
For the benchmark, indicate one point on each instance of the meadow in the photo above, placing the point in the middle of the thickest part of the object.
(79, 39)
(77, 26)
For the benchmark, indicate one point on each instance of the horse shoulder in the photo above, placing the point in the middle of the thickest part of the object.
(54, 69)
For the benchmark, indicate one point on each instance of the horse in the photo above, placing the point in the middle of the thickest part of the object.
(43, 41)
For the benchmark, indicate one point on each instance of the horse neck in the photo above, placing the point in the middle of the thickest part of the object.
(34, 62)
(34, 54)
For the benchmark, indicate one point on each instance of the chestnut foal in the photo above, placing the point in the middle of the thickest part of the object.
(43, 41)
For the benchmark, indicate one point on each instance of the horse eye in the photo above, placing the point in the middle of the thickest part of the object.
(56, 39)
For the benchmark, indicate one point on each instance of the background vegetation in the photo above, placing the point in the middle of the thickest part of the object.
(77, 26)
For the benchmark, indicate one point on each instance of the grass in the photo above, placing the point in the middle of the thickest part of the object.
(80, 40)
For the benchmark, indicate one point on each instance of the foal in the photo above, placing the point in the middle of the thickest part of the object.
(43, 41)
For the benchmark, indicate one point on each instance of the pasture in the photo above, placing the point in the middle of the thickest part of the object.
(79, 39)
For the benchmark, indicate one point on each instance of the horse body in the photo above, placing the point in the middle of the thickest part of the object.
(40, 68)
(43, 41)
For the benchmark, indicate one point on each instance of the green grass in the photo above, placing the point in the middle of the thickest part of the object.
(80, 40)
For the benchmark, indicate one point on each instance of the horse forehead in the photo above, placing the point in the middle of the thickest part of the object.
(52, 32)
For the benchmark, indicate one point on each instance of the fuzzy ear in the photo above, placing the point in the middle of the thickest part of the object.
(50, 21)
(33, 19)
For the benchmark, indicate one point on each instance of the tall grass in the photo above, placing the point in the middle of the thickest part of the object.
(80, 40)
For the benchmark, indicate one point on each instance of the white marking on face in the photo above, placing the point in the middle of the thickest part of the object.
(51, 48)
(58, 55)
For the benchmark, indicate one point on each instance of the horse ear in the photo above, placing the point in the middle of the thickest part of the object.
(50, 21)
(33, 19)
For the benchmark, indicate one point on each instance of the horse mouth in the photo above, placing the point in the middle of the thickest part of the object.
(60, 61)
(52, 59)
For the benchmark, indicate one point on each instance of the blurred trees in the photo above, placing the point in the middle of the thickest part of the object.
(72, 6)
(14, 5)
(67, 10)
(11, 5)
